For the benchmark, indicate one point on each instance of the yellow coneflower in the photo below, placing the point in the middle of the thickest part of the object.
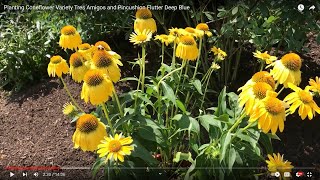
(97, 88)
(270, 113)
(69, 109)
(115, 148)
(205, 28)
(174, 32)
(107, 64)
(262, 76)
(165, 39)
(315, 85)
(89, 133)
(253, 95)
(189, 31)
(287, 69)
(144, 21)
(103, 44)
(276, 163)
(187, 48)
(264, 57)
(221, 55)
(70, 38)
(107, 48)
(77, 67)
(57, 66)
(86, 50)
(302, 99)
(140, 37)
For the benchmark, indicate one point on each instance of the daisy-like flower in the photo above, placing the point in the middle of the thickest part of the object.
(70, 38)
(69, 109)
(97, 88)
(270, 113)
(187, 48)
(86, 51)
(103, 61)
(165, 39)
(215, 66)
(140, 37)
(57, 66)
(276, 163)
(221, 55)
(302, 99)
(89, 133)
(262, 76)
(287, 69)
(205, 28)
(189, 31)
(252, 96)
(115, 148)
(174, 32)
(77, 67)
(264, 57)
(144, 21)
(315, 85)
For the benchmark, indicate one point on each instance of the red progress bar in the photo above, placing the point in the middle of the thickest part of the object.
(32, 168)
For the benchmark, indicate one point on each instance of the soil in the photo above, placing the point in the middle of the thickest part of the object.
(34, 132)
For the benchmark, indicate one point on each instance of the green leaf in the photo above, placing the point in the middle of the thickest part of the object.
(265, 140)
(142, 153)
(222, 105)
(168, 92)
(223, 118)
(181, 106)
(96, 166)
(197, 84)
(225, 141)
(185, 122)
(231, 158)
(207, 120)
(183, 156)
(235, 10)
(129, 79)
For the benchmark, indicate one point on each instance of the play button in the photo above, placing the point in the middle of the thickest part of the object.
(11, 174)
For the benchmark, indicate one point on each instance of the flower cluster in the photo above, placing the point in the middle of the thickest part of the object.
(259, 97)
(97, 67)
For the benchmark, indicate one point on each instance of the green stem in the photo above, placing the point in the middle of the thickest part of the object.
(143, 67)
(198, 59)
(238, 121)
(206, 88)
(164, 77)
(68, 92)
(118, 102)
(281, 90)
(107, 117)
(262, 65)
(173, 63)
(162, 51)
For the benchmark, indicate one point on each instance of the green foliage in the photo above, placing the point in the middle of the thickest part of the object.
(29, 38)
